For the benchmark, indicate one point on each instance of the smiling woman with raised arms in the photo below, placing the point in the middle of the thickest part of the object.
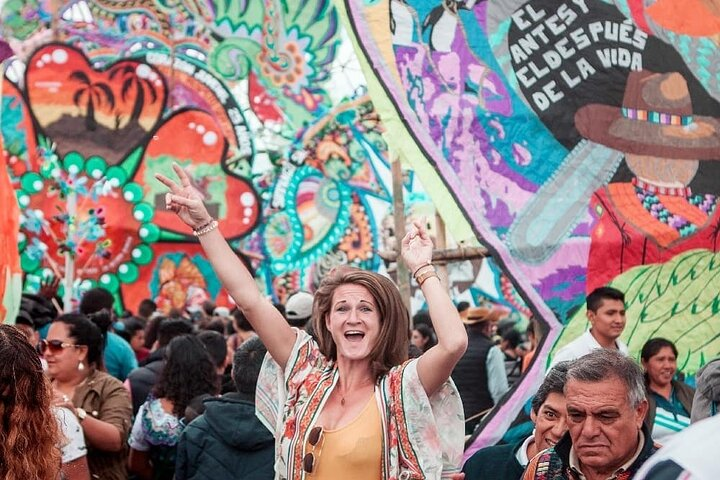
(350, 404)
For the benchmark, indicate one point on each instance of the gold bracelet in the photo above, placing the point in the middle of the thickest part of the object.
(423, 270)
(206, 229)
(426, 264)
(425, 275)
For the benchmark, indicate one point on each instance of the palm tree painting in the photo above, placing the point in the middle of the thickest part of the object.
(92, 94)
(133, 80)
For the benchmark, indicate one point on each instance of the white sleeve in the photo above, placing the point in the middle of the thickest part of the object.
(497, 378)
(565, 354)
(137, 439)
(72, 444)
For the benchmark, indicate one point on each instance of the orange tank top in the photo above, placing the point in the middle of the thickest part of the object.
(353, 452)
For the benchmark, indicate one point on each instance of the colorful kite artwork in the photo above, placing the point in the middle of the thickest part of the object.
(80, 165)
(263, 102)
(10, 272)
(579, 139)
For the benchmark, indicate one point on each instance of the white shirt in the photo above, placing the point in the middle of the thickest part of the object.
(521, 454)
(72, 445)
(496, 376)
(581, 346)
(690, 455)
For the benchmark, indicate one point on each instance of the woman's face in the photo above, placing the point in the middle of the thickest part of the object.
(661, 367)
(64, 362)
(418, 339)
(137, 341)
(353, 321)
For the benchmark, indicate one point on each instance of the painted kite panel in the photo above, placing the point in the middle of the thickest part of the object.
(588, 132)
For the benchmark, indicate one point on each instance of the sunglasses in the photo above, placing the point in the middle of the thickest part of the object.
(315, 437)
(55, 346)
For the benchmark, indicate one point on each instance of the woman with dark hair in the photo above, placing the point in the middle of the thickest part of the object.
(74, 354)
(423, 337)
(355, 381)
(151, 330)
(29, 434)
(669, 401)
(188, 372)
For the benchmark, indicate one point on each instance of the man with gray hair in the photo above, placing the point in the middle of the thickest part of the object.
(606, 406)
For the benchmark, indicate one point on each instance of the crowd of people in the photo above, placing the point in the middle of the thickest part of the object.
(332, 384)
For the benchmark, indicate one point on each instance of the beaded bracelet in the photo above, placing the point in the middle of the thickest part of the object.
(207, 228)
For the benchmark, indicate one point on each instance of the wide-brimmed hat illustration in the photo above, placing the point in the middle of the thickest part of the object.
(656, 119)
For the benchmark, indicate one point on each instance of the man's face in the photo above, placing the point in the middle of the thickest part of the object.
(603, 425)
(550, 421)
(608, 321)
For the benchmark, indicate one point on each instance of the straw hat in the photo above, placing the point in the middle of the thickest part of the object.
(482, 314)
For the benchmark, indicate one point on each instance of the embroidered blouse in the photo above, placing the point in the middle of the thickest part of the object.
(422, 436)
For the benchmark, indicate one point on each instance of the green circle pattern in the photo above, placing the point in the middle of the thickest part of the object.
(95, 167)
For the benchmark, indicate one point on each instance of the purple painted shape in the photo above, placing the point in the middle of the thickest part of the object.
(5, 51)
(460, 184)
(563, 284)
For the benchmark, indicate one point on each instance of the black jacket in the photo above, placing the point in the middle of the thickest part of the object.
(470, 374)
(227, 441)
(143, 379)
(495, 463)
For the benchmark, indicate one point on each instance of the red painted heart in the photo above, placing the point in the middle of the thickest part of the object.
(106, 112)
(193, 139)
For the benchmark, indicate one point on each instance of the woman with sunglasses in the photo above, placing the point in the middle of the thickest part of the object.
(74, 351)
(355, 382)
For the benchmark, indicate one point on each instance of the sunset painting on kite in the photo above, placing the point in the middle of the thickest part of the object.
(95, 112)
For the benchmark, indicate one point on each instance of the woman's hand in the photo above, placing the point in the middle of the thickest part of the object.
(184, 199)
(417, 247)
(62, 400)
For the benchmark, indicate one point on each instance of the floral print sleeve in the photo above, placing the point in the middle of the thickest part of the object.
(282, 396)
(425, 434)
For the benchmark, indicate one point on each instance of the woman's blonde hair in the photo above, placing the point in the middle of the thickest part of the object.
(391, 348)
(29, 435)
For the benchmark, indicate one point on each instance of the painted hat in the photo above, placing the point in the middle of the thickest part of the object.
(656, 118)
(482, 314)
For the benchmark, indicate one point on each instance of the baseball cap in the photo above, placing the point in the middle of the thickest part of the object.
(299, 306)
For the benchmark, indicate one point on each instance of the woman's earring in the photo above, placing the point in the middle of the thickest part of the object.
(81, 366)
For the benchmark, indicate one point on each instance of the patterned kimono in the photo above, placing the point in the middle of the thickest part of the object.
(422, 437)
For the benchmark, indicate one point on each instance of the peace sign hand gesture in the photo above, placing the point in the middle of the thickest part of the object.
(184, 199)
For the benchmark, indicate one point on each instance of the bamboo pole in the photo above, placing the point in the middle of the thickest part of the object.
(403, 276)
(441, 244)
(441, 257)
(69, 256)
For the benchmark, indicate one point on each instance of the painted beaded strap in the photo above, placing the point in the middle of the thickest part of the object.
(660, 118)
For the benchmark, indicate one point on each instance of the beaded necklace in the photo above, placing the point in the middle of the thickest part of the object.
(651, 203)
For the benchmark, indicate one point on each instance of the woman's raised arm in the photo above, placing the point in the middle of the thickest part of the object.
(268, 323)
(434, 366)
